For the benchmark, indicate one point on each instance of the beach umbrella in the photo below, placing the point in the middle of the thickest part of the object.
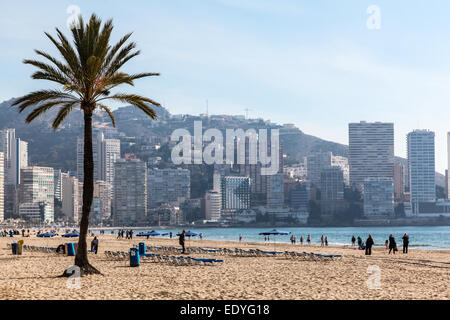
(46, 235)
(190, 234)
(71, 235)
(152, 233)
(274, 233)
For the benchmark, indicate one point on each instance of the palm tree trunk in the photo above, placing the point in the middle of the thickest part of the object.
(81, 258)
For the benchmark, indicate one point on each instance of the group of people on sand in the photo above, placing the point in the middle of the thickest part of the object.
(323, 240)
(390, 244)
(308, 239)
(10, 233)
(128, 234)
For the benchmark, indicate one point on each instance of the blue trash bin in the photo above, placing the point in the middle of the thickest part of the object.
(134, 257)
(141, 248)
(70, 249)
(14, 247)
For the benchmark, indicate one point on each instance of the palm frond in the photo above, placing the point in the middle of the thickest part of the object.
(42, 109)
(137, 101)
(41, 96)
(68, 54)
(48, 72)
(109, 112)
(119, 60)
(61, 66)
(144, 75)
(62, 114)
(112, 52)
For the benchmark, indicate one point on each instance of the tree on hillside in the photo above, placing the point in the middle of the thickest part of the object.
(88, 71)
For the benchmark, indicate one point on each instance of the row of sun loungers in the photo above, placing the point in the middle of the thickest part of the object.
(174, 260)
(117, 255)
(237, 252)
(221, 251)
(36, 249)
(310, 256)
(179, 260)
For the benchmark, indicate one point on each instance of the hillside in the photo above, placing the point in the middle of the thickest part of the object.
(58, 149)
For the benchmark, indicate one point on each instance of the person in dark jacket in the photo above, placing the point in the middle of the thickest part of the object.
(392, 244)
(94, 245)
(405, 243)
(181, 239)
(369, 244)
(353, 241)
(359, 241)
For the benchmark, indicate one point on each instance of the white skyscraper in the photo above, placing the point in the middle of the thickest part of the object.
(37, 191)
(371, 151)
(70, 197)
(15, 152)
(213, 205)
(20, 160)
(130, 191)
(7, 141)
(421, 167)
(105, 153)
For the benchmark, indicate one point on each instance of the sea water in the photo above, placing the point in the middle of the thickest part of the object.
(431, 238)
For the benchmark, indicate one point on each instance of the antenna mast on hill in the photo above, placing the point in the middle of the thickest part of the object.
(246, 112)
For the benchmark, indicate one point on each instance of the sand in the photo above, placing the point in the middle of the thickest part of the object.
(421, 274)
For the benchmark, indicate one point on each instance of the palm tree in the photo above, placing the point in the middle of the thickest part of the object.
(87, 73)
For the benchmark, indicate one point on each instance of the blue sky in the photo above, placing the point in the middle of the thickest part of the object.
(312, 63)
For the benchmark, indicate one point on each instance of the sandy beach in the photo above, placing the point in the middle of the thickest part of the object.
(421, 274)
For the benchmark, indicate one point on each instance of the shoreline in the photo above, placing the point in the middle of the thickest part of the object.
(296, 246)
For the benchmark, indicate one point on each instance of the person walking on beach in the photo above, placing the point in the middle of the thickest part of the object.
(326, 241)
(308, 239)
(94, 245)
(240, 237)
(387, 244)
(369, 244)
(392, 244)
(170, 234)
(301, 240)
(181, 240)
(405, 243)
(353, 241)
(321, 241)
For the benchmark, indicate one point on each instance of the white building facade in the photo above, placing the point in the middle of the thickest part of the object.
(421, 167)
(371, 151)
